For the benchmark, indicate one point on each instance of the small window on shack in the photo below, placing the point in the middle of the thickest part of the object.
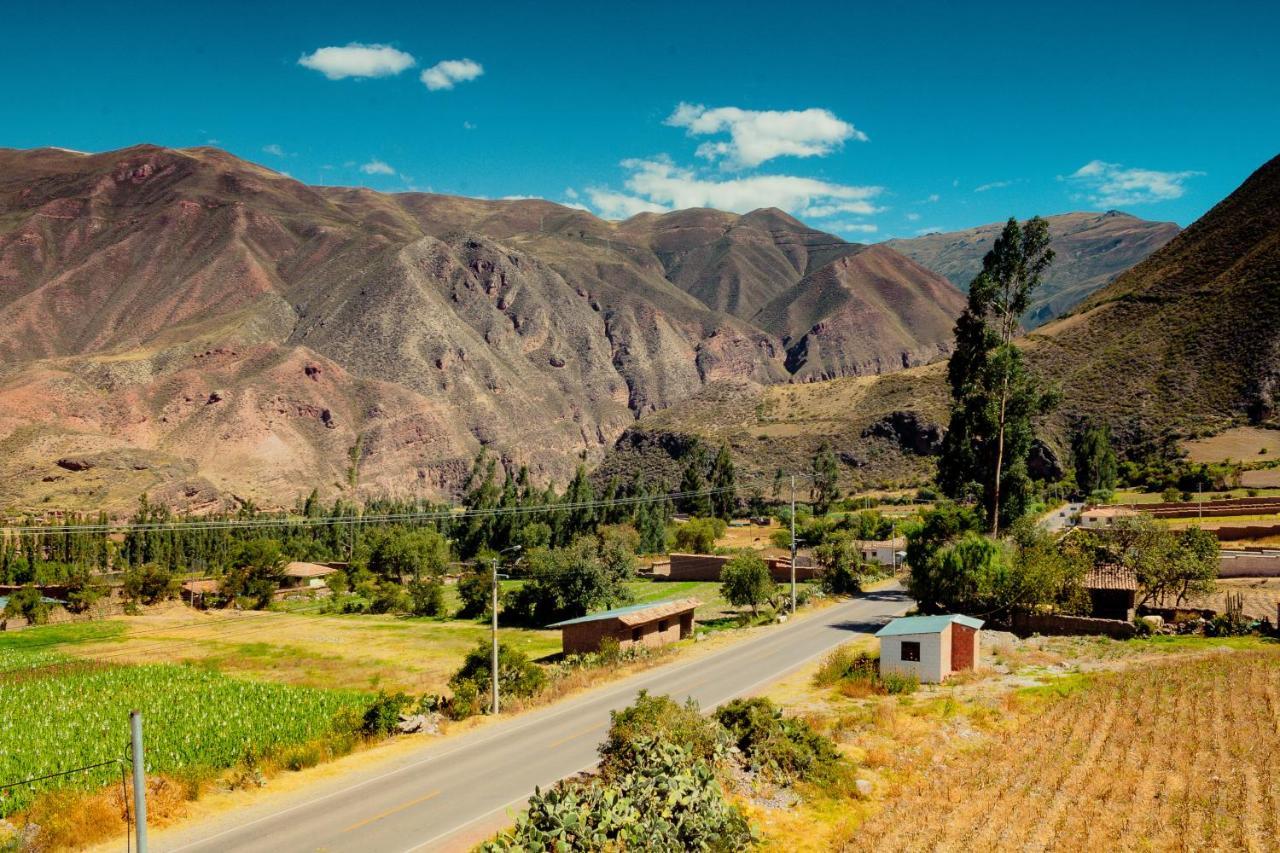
(662, 626)
(910, 650)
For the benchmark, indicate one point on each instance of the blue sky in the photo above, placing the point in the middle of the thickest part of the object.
(869, 120)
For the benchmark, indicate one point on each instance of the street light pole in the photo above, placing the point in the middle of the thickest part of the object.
(793, 544)
(493, 663)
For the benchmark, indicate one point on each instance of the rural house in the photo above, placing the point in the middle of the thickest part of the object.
(886, 552)
(1102, 517)
(299, 574)
(929, 647)
(706, 567)
(1113, 592)
(653, 624)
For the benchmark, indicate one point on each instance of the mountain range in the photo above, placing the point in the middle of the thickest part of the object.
(1090, 250)
(189, 324)
(1187, 342)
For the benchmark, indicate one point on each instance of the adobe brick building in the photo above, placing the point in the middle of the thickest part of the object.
(706, 567)
(640, 624)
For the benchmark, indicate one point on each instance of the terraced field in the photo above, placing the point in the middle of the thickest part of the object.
(1183, 755)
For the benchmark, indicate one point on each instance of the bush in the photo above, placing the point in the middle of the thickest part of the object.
(28, 604)
(658, 718)
(426, 598)
(669, 801)
(465, 701)
(149, 584)
(784, 748)
(698, 535)
(517, 675)
(1170, 495)
(388, 597)
(895, 683)
(475, 589)
(380, 718)
(845, 664)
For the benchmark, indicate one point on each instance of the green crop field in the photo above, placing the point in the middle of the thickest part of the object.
(57, 713)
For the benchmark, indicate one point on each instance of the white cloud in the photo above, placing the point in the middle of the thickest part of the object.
(358, 60)
(377, 167)
(274, 150)
(1113, 185)
(466, 125)
(756, 136)
(933, 198)
(450, 72)
(913, 217)
(932, 229)
(658, 185)
(994, 185)
(851, 227)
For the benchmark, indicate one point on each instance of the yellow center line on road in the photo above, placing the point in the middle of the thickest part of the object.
(391, 811)
(577, 734)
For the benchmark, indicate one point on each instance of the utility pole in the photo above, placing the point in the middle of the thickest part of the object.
(793, 544)
(493, 664)
(139, 780)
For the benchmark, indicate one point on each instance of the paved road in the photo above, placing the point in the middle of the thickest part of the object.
(1060, 518)
(429, 800)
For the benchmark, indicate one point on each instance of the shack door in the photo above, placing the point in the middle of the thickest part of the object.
(961, 647)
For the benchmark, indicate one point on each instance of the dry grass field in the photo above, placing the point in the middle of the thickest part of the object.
(1182, 755)
(1056, 744)
(1242, 444)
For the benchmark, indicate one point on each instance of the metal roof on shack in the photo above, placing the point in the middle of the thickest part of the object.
(926, 624)
(637, 614)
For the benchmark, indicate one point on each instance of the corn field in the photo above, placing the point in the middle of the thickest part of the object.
(1182, 755)
(61, 717)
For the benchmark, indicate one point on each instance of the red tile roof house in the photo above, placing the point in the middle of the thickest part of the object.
(653, 624)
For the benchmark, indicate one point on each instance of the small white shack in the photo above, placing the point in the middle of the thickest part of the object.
(929, 647)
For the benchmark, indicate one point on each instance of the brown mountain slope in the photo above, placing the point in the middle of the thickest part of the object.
(217, 328)
(1092, 249)
(1187, 341)
(873, 311)
(1190, 338)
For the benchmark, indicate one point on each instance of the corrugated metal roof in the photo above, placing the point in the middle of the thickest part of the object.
(298, 569)
(636, 614)
(926, 624)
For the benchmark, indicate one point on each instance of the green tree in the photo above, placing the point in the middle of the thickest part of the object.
(426, 597)
(415, 554)
(257, 569)
(149, 584)
(929, 582)
(693, 484)
(993, 397)
(698, 535)
(724, 499)
(825, 486)
(27, 603)
(1095, 461)
(745, 581)
(842, 566)
(568, 582)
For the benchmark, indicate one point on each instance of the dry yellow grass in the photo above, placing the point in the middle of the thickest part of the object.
(1183, 754)
(1242, 444)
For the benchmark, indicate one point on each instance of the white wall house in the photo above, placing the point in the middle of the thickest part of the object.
(929, 647)
(882, 551)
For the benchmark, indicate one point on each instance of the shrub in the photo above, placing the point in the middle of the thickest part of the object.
(895, 683)
(1170, 495)
(661, 718)
(28, 604)
(388, 597)
(475, 589)
(465, 701)
(426, 598)
(149, 583)
(517, 675)
(698, 535)
(844, 664)
(780, 747)
(381, 716)
(669, 801)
